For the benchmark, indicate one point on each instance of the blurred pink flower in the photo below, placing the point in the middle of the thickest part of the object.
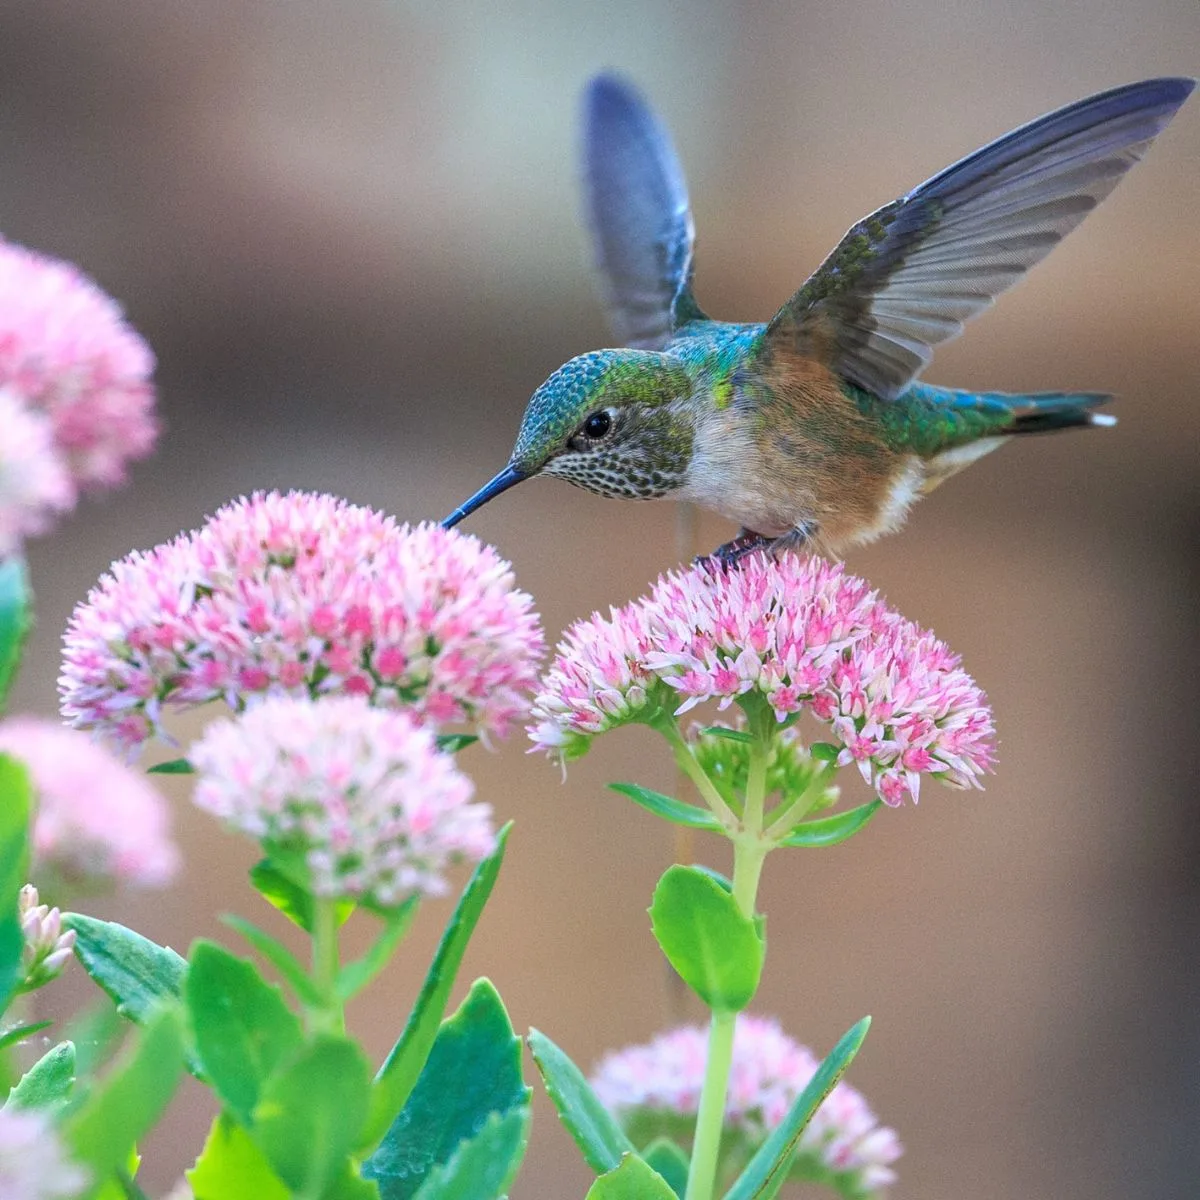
(33, 1161)
(363, 793)
(66, 351)
(798, 632)
(96, 819)
(304, 595)
(47, 945)
(663, 1079)
(34, 484)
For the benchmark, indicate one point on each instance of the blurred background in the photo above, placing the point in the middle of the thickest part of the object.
(351, 233)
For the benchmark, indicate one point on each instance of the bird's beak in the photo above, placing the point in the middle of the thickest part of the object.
(506, 479)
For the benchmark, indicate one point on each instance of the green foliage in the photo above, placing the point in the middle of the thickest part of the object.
(452, 743)
(310, 1113)
(174, 766)
(125, 1105)
(355, 976)
(280, 957)
(277, 883)
(16, 807)
(16, 619)
(633, 1179)
(241, 1027)
(829, 831)
(676, 811)
(593, 1128)
(48, 1083)
(232, 1167)
(669, 1160)
(473, 1070)
(716, 949)
(768, 1168)
(135, 972)
(399, 1073)
(484, 1166)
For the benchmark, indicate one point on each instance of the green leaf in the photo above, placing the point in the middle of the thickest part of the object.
(452, 743)
(48, 1083)
(677, 811)
(829, 831)
(21, 1033)
(242, 1028)
(631, 1180)
(484, 1166)
(348, 1184)
(398, 1075)
(311, 1111)
(126, 1104)
(280, 889)
(824, 752)
(16, 807)
(715, 948)
(473, 1070)
(764, 1172)
(730, 735)
(670, 1161)
(355, 976)
(593, 1128)
(16, 619)
(280, 957)
(173, 766)
(232, 1167)
(135, 972)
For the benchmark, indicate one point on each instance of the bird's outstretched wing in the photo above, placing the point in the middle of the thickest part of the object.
(637, 207)
(907, 277)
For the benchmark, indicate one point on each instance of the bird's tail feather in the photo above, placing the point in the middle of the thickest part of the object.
(1044, 412)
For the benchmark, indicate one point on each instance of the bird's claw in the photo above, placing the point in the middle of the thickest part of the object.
(732, 553)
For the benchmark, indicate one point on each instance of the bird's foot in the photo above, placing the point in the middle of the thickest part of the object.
(732, 553)
(748, 542)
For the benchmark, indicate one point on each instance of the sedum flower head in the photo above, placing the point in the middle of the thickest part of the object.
(34, 484)
(800, 635)
(96, 820)
(47, 945)
(655, 1089)
(303, 595)
(33, 1162)
(362, 794)
(67, 353)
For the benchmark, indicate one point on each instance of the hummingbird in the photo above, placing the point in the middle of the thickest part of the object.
(813, 430)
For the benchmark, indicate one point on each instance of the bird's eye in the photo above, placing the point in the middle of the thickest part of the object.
(597, 425)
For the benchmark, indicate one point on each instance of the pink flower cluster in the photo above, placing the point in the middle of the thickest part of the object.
(96, 820)
(770, 1070)
(47, 945)
(303, 594)
(363, 793)
(34, 484)
(79, 378)
(798, 632)
(33, 1161)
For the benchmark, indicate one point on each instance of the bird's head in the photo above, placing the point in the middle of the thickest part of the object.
(615, 422)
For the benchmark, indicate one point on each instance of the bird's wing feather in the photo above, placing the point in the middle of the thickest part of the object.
(638, 210)
(907, 277)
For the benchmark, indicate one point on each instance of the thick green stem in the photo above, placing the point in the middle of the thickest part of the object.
(749, 854)
(710, 1118)
(330, 1017)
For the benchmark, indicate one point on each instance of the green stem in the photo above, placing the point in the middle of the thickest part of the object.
(330, 1017)
(749, 853)
(692, 769)
(710, 1118)
(786, 816)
